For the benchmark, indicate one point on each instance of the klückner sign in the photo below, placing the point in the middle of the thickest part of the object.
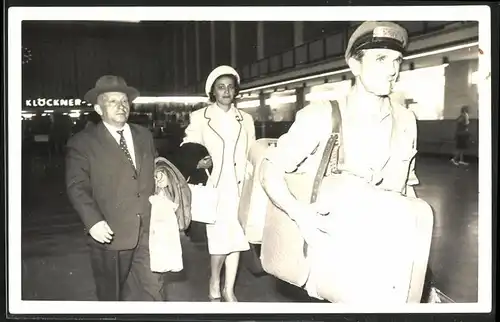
(52, 102)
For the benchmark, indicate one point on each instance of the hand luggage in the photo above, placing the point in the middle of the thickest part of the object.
(253, 201)
(203, 201)
(253, 205)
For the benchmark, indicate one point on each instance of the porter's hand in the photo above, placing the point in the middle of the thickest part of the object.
(311, 223)
(101, 232)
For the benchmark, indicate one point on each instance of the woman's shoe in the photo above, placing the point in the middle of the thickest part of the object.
(214, 299)
(214, 290)
(228, 298)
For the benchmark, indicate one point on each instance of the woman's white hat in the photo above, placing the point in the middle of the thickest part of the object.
(216, 73)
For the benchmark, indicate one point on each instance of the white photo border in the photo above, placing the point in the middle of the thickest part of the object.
(16, 15)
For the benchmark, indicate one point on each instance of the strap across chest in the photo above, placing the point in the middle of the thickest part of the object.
(333, 153)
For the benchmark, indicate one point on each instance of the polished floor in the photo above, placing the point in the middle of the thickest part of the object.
(54, 252)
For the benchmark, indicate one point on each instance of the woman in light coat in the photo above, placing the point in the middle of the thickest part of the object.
(228, 134)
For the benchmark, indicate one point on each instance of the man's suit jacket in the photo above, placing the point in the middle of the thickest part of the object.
(205, 127)
(103, 185)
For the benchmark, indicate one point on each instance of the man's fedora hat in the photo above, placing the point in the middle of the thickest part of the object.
(110, 83)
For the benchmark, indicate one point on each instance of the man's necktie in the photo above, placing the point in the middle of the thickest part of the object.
(124, 147)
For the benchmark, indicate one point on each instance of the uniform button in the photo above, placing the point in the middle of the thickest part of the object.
(134, 177)
(138, 215)
(138, 195)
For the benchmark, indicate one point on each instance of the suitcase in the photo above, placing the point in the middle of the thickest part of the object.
(378, 246)
(253, 201)
(372, 253)
(253, 205)
(283, 250)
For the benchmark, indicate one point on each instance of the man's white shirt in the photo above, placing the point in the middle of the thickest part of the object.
(128, 138)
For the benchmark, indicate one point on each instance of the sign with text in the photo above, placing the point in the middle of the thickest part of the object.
(56, 102)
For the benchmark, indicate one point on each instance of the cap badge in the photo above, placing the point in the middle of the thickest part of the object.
(387, 32)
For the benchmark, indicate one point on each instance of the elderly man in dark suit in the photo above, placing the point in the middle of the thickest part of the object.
(109, 177)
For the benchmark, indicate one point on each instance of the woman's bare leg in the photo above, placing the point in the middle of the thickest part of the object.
(231, 269)
(216, 262)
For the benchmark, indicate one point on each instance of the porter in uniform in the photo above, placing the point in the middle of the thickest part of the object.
(378, 141)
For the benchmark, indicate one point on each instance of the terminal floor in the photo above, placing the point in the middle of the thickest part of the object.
(54, 250)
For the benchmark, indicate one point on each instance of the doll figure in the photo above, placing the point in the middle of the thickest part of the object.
(164, 239)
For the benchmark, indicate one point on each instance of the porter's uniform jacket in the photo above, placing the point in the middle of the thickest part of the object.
(378, 147)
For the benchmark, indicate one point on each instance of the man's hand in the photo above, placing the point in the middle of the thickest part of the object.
(205, 163)
(101, 232)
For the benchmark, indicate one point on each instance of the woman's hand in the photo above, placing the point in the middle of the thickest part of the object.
(205, 163)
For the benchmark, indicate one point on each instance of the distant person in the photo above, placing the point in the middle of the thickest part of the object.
(79, 124)
(60, 132)
(462, 136)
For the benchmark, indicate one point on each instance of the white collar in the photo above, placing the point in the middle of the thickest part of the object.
(114, 129)
(232, 112)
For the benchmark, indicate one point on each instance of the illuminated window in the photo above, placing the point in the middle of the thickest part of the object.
(424, 88)
(474, 78)
(328, 91)
(248, 104)
(282, 106)
(278, 100)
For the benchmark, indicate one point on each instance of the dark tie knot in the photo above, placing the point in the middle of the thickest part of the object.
(120, 132)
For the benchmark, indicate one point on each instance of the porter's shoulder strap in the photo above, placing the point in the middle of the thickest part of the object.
(331, 149)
